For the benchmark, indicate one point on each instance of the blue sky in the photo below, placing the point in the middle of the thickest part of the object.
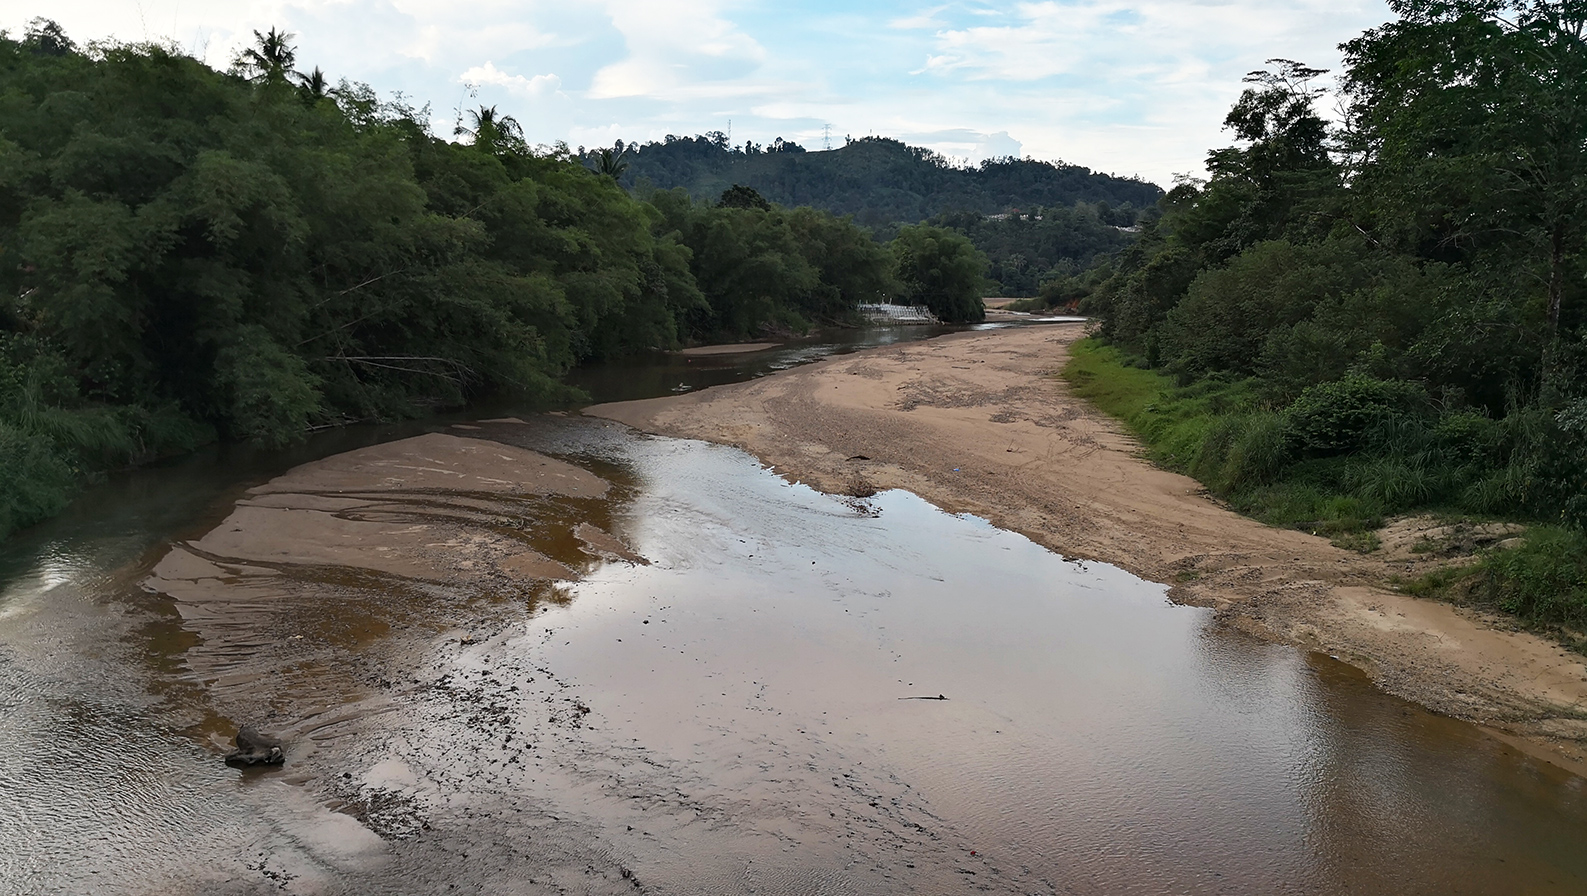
(1124, 87)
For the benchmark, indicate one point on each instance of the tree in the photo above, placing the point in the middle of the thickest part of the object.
(738, 196)
(270, 60)
(313, 85)
(46, 38)
(942, 270)
(492, 131)
(612, 163)
(1471, 120)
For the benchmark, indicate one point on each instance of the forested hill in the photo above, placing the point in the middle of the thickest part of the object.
(876, 179)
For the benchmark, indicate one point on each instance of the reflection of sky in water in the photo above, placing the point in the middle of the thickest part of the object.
(1092, 730)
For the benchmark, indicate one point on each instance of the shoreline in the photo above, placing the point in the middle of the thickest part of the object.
(978, 422)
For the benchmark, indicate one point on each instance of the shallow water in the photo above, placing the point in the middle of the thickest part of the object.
(1094, 736)
(729, 719)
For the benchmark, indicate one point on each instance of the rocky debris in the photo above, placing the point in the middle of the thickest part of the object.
(254, 748)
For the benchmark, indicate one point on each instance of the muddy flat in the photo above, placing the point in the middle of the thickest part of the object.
(979, 422)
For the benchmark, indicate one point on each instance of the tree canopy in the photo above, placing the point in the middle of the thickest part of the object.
(187, 254)
(1429, 247)
(878, 180)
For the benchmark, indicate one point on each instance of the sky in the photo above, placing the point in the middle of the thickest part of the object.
(1129, 88)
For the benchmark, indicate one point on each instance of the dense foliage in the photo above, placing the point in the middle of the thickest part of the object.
(766, 269)
(876, 179)
(1387, 315)
(1036, 222)
(187, 254)
(942, 270)
(1028, 250)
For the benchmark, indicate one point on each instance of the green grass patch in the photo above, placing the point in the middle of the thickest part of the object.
(1220, 432)
(1542, 581)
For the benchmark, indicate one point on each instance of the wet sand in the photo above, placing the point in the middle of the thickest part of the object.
(978, 422)
(287, 596)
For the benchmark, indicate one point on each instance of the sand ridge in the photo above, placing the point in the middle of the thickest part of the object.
(979, 422)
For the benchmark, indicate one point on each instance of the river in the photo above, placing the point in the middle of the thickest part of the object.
(738, 713)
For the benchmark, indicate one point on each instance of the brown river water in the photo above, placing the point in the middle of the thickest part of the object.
(733, 715)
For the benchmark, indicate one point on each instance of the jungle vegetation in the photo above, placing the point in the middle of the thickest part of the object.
(189, 255)
(1035, 221)
(1387, 314)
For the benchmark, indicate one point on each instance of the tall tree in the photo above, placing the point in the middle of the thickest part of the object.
(314, 85)
(270, 59)
(1471, 119)
(942, 270)
(493, 131)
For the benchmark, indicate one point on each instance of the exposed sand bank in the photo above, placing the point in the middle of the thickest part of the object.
(311, 567)
(977, 422)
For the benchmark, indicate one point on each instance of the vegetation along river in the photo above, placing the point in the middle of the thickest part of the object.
(544, 653)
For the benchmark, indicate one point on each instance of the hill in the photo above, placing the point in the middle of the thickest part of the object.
(878, 180)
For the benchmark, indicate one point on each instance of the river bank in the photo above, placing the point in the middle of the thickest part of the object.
(549, 653)
(979, 423)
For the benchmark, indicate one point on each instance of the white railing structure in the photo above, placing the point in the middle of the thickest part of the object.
(898, 314)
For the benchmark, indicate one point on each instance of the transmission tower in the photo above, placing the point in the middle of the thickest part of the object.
(826, 136)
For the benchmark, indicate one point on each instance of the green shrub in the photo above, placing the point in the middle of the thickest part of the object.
(1241, 451)
(1334, 418)
(1543, 580)
(36, 481)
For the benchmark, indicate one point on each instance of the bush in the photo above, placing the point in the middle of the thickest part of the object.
(1334, 418)
(36, 481)
(1243, 451)
(1543, 580)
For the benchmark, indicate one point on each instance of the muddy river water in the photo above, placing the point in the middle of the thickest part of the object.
(727, 693)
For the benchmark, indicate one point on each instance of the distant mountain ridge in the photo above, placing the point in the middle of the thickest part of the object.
(878, 180)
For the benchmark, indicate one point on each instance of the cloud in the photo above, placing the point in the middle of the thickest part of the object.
(924, 20)
(1130, 86)
(676, 45)
(964, 143)
(488, 73)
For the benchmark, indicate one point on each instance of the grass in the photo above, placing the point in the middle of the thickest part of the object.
(1220, 433)
(1542, 581)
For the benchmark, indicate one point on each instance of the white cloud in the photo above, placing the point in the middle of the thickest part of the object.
(923, 20)
(539, 85)
(675, 44)
(963, 143)
(1130, 87)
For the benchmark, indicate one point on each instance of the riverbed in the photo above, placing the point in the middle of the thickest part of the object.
(752, 687)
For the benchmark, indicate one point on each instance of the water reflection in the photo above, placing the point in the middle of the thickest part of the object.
(1095, 735)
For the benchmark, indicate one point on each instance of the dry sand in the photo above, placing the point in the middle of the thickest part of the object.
(979, 423)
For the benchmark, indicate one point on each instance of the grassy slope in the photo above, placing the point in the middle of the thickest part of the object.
(1215, 432)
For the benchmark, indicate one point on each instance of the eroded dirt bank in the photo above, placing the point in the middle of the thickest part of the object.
(977, 422)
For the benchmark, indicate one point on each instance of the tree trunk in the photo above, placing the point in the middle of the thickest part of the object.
(1556, 277)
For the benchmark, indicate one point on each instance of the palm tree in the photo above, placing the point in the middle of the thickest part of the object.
(313, 85)
(271, 60)
(493, 131)
(612, 164)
